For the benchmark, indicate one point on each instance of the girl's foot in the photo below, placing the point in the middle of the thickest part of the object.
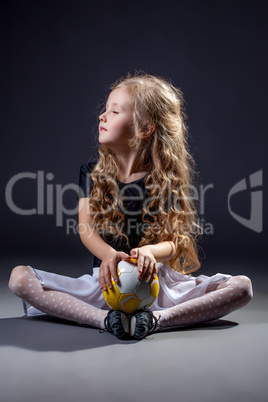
(117, 322)
(142, 323)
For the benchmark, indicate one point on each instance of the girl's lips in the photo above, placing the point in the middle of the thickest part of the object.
(102, 129)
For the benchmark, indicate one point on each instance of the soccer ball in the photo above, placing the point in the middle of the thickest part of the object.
(130, 294)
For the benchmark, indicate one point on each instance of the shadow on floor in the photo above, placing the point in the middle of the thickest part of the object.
(47, 333)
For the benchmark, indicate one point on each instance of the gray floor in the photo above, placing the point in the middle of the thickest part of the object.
(46, 359)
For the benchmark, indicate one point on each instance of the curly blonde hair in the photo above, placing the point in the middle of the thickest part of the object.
(158, 109)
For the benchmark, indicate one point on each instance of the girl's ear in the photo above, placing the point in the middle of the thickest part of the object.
(147, 130)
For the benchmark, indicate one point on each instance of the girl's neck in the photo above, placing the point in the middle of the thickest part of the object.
(130, 169)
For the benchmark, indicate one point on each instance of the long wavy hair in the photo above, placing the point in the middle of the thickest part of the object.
(158, 108)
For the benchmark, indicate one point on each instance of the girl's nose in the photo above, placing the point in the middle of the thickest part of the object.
(103, 117)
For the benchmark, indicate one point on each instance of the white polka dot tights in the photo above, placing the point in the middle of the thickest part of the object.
(25, 284)
(229, 296)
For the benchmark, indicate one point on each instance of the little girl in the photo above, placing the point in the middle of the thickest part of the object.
(136, 201)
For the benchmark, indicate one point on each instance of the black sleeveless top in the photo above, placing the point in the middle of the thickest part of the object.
(133, 195)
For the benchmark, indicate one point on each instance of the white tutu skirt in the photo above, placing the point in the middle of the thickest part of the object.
(175, 288)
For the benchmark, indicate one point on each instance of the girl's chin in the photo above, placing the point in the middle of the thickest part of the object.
(115, 147)
(107, 145)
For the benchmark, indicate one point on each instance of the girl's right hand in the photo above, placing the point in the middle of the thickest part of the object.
(108, 268)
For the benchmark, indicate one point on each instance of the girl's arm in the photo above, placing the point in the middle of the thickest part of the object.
(97, 246)
(163, 251)
(149, 255)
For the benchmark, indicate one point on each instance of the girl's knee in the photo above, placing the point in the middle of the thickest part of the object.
(244, 287)
(17, 278)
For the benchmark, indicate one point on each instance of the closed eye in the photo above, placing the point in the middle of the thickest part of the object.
(114, 111)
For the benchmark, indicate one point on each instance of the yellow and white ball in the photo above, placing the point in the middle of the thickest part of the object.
(130, 294)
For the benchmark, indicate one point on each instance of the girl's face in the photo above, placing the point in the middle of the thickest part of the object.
(116, 123)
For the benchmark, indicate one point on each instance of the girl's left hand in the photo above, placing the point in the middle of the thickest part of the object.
(146, 262)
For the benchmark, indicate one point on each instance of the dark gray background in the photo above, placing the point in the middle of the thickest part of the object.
(58, 60)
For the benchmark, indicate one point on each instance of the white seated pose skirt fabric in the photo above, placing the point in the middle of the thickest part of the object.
(175, 288)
